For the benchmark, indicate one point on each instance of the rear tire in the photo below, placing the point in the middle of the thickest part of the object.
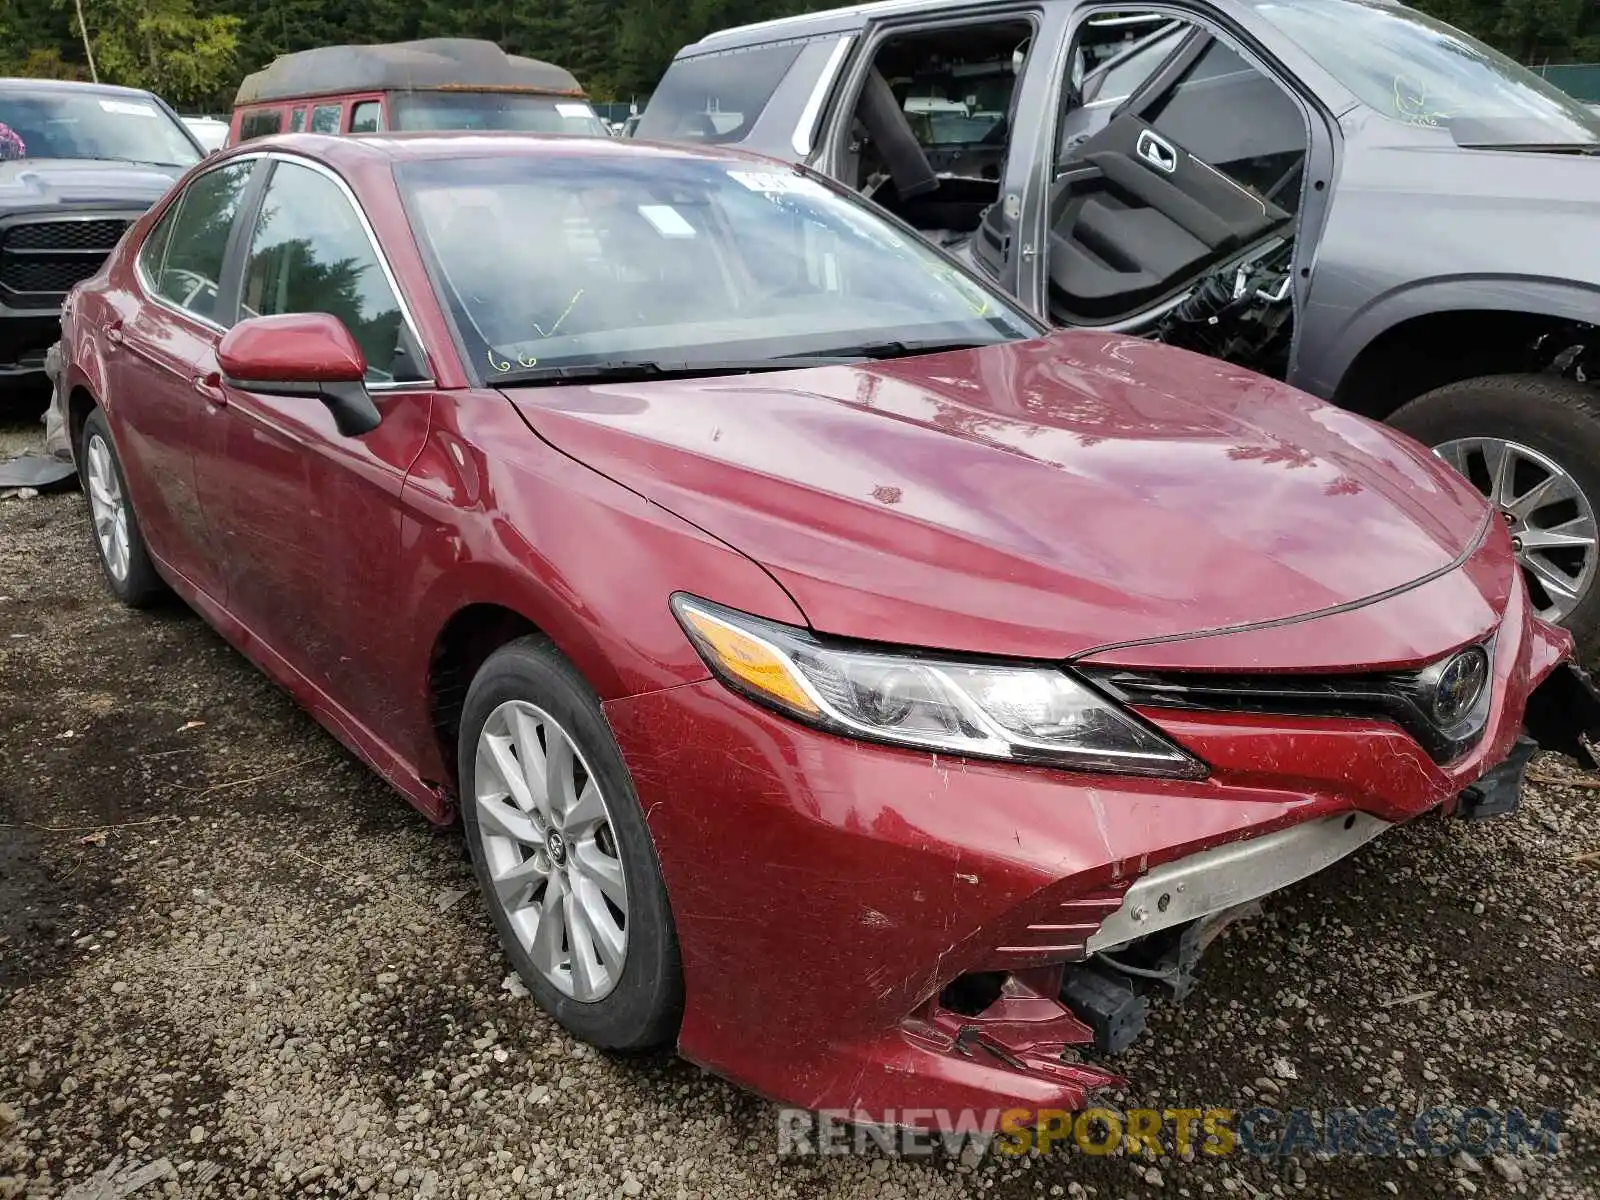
(532, 728)
(129, 572)
(1558, 420)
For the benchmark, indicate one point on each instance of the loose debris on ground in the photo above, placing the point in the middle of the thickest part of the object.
(233, 963)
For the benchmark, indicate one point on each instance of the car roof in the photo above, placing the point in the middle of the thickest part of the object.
(71, 85)
(839, 20)
(430, 63)
(361, 151)
(810, 24)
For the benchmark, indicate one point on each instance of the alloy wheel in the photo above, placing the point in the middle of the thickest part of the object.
(108, 508)
(1552, 522)
(551, 850)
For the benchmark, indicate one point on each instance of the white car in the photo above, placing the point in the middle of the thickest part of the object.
(208, 131)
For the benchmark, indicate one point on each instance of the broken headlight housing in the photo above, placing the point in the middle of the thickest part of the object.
(981, 709)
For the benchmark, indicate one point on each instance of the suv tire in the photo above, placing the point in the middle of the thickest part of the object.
(1558, 420)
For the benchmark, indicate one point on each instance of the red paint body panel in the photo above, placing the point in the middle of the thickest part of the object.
(1402, 630)
(157, 355)
(292, 347)
(1037, 498)
(873, 876)
(1083, 494)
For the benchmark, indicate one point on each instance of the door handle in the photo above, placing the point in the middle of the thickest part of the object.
(1157, 152)
(210, 386)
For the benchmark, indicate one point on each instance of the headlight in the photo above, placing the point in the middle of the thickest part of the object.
(1035, 714)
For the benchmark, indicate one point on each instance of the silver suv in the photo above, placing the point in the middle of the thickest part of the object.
(1346, 194)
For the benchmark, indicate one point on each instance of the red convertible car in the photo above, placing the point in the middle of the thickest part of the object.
(835, 674)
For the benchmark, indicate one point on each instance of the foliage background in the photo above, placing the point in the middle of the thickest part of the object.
(194, 52)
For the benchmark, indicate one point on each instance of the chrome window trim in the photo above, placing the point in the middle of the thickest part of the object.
(152, 295)
(805, 129)
(146, 285)
(389, 276)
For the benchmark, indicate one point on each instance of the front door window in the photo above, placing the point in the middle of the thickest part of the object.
(310, 252)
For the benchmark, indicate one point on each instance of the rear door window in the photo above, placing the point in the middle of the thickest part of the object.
(716, 97)
(1118, 81)
(1237, 120)
(191, 272)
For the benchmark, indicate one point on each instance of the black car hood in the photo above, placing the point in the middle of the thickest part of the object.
(32, 183)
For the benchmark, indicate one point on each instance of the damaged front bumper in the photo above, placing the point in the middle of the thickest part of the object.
(1562, 714)
(1225, 877)
(870, 928)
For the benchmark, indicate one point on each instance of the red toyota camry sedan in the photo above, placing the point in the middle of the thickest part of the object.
(835, 673)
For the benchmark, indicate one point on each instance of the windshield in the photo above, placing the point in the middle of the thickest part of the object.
(1413, 68)
(69, 123)
(496, 111)
(667, 258)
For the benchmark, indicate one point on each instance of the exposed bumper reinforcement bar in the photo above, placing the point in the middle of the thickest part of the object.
(1226, 876)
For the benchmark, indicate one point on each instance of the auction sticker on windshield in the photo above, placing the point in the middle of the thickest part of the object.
(668, 221)
(127, 108)
(778, 183)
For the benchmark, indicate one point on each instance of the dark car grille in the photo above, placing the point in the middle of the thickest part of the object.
(46, 275)
(40, 261)
(1403, 697)
(66, 235)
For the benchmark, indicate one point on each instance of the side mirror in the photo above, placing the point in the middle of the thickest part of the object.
(302, 354)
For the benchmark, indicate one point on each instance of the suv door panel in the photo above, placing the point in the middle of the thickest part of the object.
(1124, 230)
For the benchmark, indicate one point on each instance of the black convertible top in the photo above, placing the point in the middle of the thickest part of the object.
(433, 64)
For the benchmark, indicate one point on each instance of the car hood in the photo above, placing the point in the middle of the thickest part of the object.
(40, 182)
(1039, 499)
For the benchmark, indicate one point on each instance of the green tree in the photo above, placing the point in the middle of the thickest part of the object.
(194, 52)
(163, 46)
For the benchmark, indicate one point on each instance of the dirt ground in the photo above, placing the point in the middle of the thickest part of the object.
(233, 963)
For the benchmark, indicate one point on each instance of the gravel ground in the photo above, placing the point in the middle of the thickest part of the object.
(232, 963)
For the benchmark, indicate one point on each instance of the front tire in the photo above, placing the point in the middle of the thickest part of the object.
(129, 572)
(562, 853)
(1531, 444)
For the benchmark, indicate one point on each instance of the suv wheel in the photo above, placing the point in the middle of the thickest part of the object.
(1531, 444)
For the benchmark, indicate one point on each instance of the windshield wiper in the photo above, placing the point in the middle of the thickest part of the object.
(904, 347)
(630, 371)
(1590, 148)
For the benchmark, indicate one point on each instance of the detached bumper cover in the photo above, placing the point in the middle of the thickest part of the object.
(826, 892)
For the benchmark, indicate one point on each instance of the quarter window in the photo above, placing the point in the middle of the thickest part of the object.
(155, 246)
(198, 240)
(325, 118)
(310, 253)
(366, 117)
(716, 97)
(261, 123)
